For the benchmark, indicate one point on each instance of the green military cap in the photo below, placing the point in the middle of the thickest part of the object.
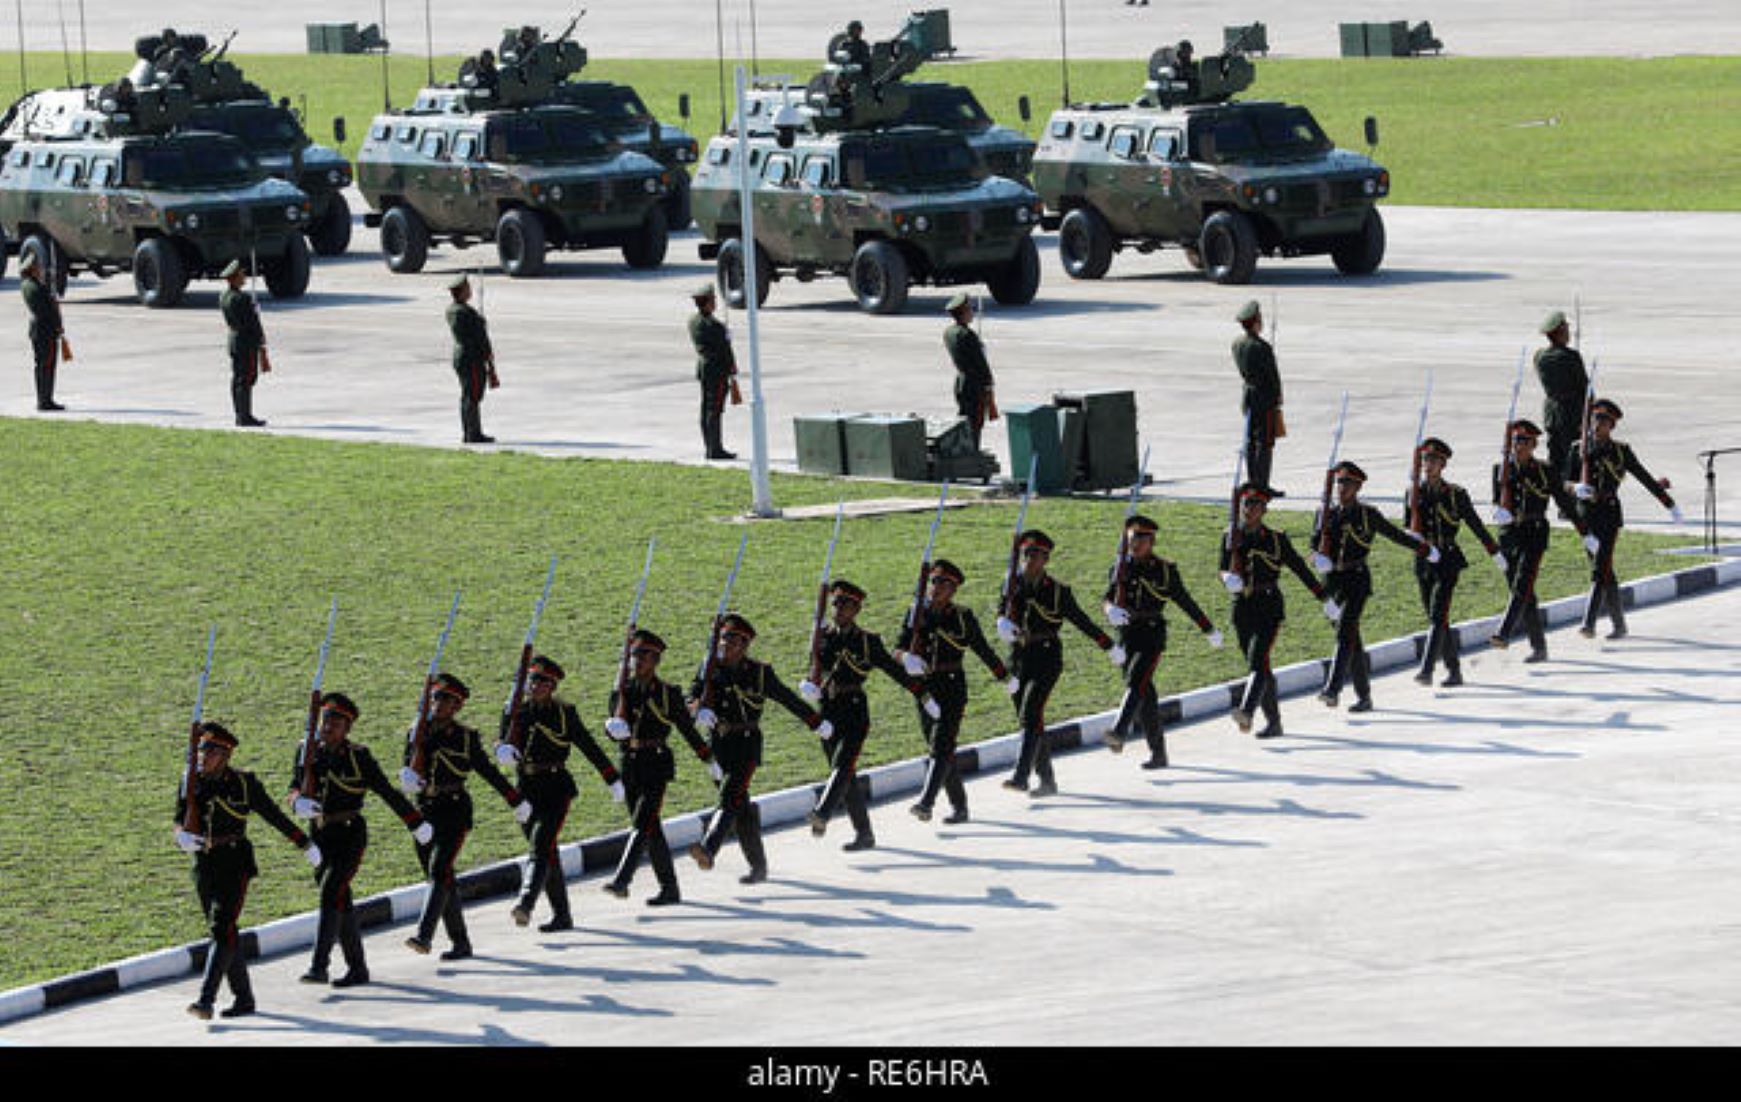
(1553, 321)
(957, 301)
(1248, 311)
(457, 282)
(234, 267)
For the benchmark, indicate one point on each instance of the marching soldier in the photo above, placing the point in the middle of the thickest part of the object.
(546, 729)
(344, 773)
(452, 752)
(1035, 607)
(728, 706)
(1527, 484)
(974, 398)
(1252, 558)
(1596, 485)
(223, 860)
(715, 369)
(934, 649)
(474, 360)
(1440, 509)
(247, 343)
(46, 332)
(1564, 381)
(1343, 542)
(1135, 603)
(642, 716)
(1261, 400)
(846, 655)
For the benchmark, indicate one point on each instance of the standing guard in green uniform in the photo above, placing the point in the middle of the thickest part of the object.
(1521, 491)
(46, 331)
(1439, 511)
(223, 859)
(1564, 381)
(1261, 399)
(545, 729)
(1596, 485)
(344, 773)
(974, 397)
(715, 369)
(247, 343)
(474, 360)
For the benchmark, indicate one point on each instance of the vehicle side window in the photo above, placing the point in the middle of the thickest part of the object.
(818, 171)
(434, 144)
(1125, 141)
(465, 147)
(406, 135)
(103, 174)
(778, 170)
(1164, 144)
(1092, 130)
(1062, 128)
(72, 172)
(719, 155)
(20, 158)
(379, 131)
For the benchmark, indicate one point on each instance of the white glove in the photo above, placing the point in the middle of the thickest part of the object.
(1013, 686)
(1215, 638)
(1583, 491)
(706, 720)
(932, 708)
(1333, 610)
(1321, 562)
(809, 690)
(1116, 616)
(1674, 513)
(825, 730)
(312, 852)
(506, 754)
(617, 728)
(305, 807)
(1115, 654)
(522, 811)
(1501, 515)
(914, 665)
(189, 843)
(1591, 543)
(1233, 582)
(1006, 629)
(423, 833)
(1432, 554)
(718, 773)
(410, 781)
(1499, 561)
(618, 792)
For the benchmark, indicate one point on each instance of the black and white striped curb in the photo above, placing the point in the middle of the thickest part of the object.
(791, 805)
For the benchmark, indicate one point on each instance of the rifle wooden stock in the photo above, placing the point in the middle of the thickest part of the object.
(309, 739)
(1324, 513)
(816, 633)
(420, 732)
(517, 738)
(190, 813)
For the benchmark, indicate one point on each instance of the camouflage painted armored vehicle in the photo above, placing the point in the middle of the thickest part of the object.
(1186, 166)
(493, 159)
(841, 189)
(108, 180)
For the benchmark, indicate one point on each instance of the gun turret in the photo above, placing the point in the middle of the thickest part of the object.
(861, 86)
(527, 70)
(1176, 79)
(191, 61)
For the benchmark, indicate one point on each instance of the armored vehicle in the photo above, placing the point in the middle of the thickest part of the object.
(493, 159)
(840, 187)
(107, 180)
(1186, 166)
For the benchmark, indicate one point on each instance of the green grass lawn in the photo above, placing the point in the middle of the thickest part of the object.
(124, 543)
(1591, 133)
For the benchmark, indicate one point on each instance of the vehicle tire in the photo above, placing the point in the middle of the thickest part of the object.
(646, 249)
(1020, 279)
(49, 254)
(1085, 244)
(404, 240)
(1228, 247)
(287, 275)
(729, 268)
(678, 214)
(330, 235)
(1361, 253)
(159, 276)
(520, 243)
(879, 277)
(5, 254)
(1193, 257)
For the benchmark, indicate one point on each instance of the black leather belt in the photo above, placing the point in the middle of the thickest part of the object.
(337, 818)
(538, 769)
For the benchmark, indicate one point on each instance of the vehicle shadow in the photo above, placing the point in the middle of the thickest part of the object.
(1280, 276)
(927, 305)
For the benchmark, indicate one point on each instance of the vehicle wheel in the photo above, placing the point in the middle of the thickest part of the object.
(1193, 257)
(159, 276)
(1085, 244)
(287, 275)
(1229, 247)
(879, 277)
(730, 273)
(520, 243)
(5, 254)
(1361, 253)
(48, 253)
(646, 249)
(677, 212)
(331, 234)
(1020, 278)
(404, 240)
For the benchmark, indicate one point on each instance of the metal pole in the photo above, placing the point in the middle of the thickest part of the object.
(762, 504)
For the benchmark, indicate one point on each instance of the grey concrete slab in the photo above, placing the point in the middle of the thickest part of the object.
(1544, 856)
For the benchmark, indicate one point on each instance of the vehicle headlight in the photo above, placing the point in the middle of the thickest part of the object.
(292, 212)
(556, 193)
(650, 185)
(1271, 195)
(334, 177)
(921, 223)
(1024, 215)
(1369, 186)
(192, 222)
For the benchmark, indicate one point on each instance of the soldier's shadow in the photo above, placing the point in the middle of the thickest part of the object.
(1366, 778)
(1094, 865)
(809, 890)
(864, 917)
(679, 973)
(765, 947)
(272, 1023)
(1180, 836)
(392, 996)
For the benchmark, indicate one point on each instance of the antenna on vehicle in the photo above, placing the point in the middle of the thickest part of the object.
(66, 55)
(719, 50)
(84, 50)
(429, 42)
(386, 46)
(23, 73)
(755, 62)
(1064, 50)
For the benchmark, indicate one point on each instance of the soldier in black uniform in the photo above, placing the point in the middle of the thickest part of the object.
(1438, 509)
(1032, 612)
(1342, 541)
(1597, 488)
(643, 713)
(474, 360)
(973, 381)
(934, 649)
(728, 706)
(1252, 558)
(343, 774)
(1137, 593)
(537, 744)
(1261, 399)
(223, 862)
(46, 331)
(1522, 489)
(845, 656)
(856, 49)
(247, 343)
(1564, 381)
(451, 753)
(715, 368)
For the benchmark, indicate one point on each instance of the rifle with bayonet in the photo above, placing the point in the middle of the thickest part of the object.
(511, 709)
(1324, 502)
(420, 729)
(190, 814)
(1508, 499)
(1236, 564)
(622, 711)
(1584, 437)
(922, 587)
(1417, 523)
(822, 598)
(713, 632)
(1015, 563)
(1121, 564)
(311, 732)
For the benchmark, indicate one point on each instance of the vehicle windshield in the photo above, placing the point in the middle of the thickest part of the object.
(615, 104)
(262, 129)
(190, 165)
(1252, 135)
(554, 138)
(946, 106)
(895, 165)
